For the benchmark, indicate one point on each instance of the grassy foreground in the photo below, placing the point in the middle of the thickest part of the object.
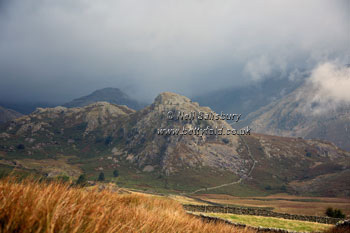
(30, 206)
(287, 224)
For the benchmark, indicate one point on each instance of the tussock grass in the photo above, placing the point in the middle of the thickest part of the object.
(31, 206)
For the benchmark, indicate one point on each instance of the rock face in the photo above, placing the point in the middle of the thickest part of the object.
(172, 151)
(111, 95)
(103, 137)
(300, 114)
(8, 115)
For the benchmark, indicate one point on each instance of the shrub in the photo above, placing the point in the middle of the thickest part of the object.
(329, 212)
(81, 180)
(225, 140)
(101, 177)
(283, 188)
(334, 213)
(338, 214)
(20, 147)
(108, 140)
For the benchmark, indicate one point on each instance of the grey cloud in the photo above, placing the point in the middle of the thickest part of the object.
(331, 85)
(57, 50)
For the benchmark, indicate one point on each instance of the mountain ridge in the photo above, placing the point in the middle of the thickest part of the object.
(102, 137)
(109, 94)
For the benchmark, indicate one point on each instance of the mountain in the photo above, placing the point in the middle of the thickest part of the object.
(151, 151)
(111, 95)
(8, 114)
(302, 113)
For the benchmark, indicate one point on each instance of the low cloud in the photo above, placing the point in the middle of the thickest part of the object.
(263, 67)
(330, 87)
(57, 50)
(332, 81)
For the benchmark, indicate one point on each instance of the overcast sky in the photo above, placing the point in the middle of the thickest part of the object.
(57, 50)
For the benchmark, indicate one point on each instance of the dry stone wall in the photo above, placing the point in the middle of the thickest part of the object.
(259, 212)
(257, 229)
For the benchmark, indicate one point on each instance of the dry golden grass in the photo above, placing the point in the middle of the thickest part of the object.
(186, 200)
(58, 165)
(179, 198)
(31, 206)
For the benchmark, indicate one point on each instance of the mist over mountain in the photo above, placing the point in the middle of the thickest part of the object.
(58, 50)
(250, 98)
(111, 95)
(320, 108)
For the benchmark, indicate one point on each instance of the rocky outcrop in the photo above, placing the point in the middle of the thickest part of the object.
(173, 151)
(95, 115)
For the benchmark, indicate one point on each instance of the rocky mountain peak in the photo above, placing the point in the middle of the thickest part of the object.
(170, 98)
(171, 101)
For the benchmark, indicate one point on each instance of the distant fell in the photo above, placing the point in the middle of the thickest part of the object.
(8, 114)
(110, 95)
